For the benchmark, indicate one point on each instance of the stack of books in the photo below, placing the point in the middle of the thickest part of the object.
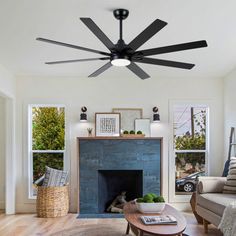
(159, 220)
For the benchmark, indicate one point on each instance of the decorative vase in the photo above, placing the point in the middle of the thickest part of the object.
(90, 130)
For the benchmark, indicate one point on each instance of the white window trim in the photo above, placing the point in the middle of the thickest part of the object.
(172, 196)
(30, 151)
(48, 151)
(189, 150)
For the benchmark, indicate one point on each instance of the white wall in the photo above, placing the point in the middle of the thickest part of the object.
(2, 153)
(7, 91)
(7, 83)
(101, 95)
(229, 107)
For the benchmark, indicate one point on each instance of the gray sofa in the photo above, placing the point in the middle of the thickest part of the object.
(211, 201)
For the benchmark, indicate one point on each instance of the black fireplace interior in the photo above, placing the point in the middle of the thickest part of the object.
(112, 182)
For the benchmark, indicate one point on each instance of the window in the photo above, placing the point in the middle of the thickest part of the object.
(46, 141)
(189, 145)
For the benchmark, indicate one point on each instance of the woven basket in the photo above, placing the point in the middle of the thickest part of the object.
(52, 201)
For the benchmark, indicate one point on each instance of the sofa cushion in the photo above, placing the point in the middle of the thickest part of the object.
(215, 202)
(230, 185)
(211, 184)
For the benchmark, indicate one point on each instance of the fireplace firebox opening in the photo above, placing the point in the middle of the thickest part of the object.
(112, 183)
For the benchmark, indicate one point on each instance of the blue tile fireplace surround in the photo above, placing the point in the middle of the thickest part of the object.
(108, 166)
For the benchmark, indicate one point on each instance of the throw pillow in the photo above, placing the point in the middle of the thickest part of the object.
(230, 185)
(211, 184)
(54, 177)
(39, 182)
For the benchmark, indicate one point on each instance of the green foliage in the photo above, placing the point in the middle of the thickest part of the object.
(148, 197)
(159, 199)
(139, 132)
(140, 199)
(151, 198)
(132, 132)
(153, 195)
(149, 201)
(41, 160)
(187, 142)
(126, 132)
(48, 128)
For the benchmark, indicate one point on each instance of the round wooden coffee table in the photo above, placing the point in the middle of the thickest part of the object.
(132, 215)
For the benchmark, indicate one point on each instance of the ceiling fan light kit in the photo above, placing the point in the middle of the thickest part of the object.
(118, 60)
(122, 54)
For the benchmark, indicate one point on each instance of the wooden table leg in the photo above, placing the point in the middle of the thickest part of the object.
(140, 233)
(128, 228)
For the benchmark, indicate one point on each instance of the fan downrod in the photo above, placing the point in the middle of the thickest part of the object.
(120, 14)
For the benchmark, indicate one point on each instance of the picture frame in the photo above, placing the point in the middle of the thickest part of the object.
(128, 116)
(143, 125)
(107, 124)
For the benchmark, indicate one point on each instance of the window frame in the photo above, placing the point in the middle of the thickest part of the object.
(31, 151)
(172, 151)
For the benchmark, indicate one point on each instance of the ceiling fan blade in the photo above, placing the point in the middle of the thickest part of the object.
(145, 35)
(78, 60)
(173, 48)
(161, 62)
(101, 69)
(138, 71)
(72, 46)
(98, 32)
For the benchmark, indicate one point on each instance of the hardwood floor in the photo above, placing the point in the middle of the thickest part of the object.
(30, 225)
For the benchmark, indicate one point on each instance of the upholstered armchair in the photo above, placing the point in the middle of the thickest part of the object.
(211, 201)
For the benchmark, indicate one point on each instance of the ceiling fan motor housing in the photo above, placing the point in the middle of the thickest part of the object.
(121, 14)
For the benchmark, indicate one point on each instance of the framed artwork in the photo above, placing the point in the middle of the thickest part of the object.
(144, 126)
(107, 124)
(128, 116)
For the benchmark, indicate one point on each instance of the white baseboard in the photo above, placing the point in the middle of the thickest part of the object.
(30, 207)
(25, 208)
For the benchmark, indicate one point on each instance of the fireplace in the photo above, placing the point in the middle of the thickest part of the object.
(108, 166)
(112, 182)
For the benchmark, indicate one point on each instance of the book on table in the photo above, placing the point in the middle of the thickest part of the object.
(159, 220)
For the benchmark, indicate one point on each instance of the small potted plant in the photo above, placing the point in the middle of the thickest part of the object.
(90, 130)
(150, 203)
(132, 133)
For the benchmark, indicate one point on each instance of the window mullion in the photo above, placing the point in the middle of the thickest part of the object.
(48, 151)
(185, 151)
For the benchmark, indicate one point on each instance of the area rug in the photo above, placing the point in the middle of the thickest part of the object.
(95, 230)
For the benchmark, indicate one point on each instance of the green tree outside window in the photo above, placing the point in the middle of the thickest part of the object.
(48, 129)
(48, 133)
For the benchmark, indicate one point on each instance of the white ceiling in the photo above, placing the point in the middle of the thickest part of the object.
(188, 20)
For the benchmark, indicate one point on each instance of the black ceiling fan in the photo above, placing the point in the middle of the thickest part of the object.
(122, 54)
